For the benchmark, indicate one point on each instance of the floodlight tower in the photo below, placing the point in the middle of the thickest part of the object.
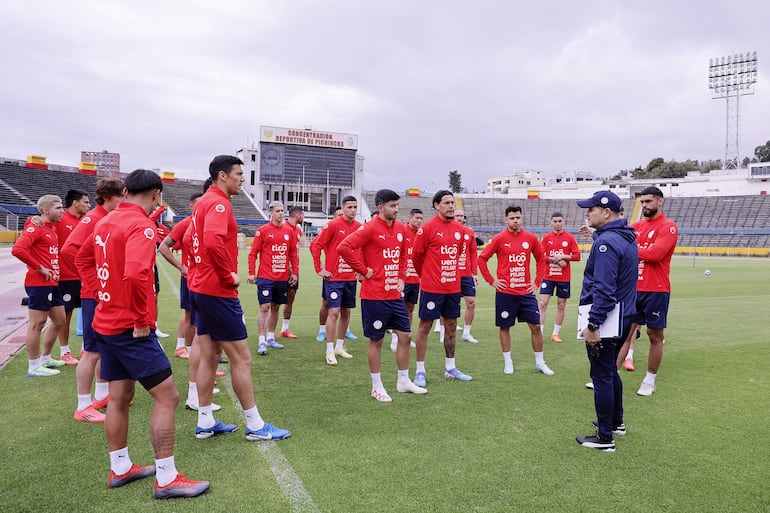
(732, 76)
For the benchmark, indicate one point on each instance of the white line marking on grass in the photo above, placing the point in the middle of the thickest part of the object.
(288, 480)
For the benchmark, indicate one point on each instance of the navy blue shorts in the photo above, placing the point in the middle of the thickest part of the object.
(340, 294)
(221, 318)
(467, 286)
(87, 316)
(510, 308)
(184, 294)
(562, 288)
(433, 306)
(126, 357)
(378, 315)
(44, 297)
(70, 294)
(652, 309)
(269, 291)
(411, 292)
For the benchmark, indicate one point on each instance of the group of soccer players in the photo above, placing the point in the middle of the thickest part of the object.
(109, 253)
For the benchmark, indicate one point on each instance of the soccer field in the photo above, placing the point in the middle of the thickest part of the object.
(497, 444)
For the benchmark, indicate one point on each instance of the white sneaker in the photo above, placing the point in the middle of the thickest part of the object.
(215, 391)
(544, 369)
(331, 359)
(469, 338)
(646, 390)
(194, 406)
(408, 387)
(381, 395)
(508, 369)
(393, 344)
(412, 344)
(160, 334)
(590, 385)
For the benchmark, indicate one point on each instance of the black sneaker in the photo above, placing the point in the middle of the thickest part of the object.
(616, 430)
(594, 442)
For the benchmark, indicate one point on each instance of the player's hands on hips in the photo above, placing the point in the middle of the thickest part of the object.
(325, 274)
(236, 279)
(141, 332)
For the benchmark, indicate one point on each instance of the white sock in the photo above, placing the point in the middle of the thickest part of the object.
(65, 349)
(340, 343)
(192, 393)
(45, 359)
(262, 340)
(120, 462)
(630, 355)
(649, 378)
(507, 358)
(101, 390)
(205, 416)
(393, 337)
(84, 401)
(322, 329)
(556, 329)
(420, 366)
(253, 418)
(376, 380)
(285, 325)
(450, 363)
(33, 364)
(329, 347)
(179, 343)
(165, 470)
(437, 327)
(467, 329)
(539, 360)
(403, 375)
(271, 335)
(542, 328)
(441, 333)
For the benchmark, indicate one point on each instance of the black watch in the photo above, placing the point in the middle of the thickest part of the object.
(592, 327)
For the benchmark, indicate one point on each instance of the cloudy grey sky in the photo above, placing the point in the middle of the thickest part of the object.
(429, 86)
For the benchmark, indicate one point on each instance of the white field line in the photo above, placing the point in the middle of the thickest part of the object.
(288, 480)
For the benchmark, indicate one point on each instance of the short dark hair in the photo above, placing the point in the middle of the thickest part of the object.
(385, 195)
(222, 163)
(207, 184)
(512, 208)
(652, 190)
(108, 188)
(348, 198)
(72, 196)
(293, 210)
(415, 211)
(195, 196)
(557, 214)
(143, 180)
(440, 194)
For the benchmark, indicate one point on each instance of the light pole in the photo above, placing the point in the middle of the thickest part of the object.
(732, 76)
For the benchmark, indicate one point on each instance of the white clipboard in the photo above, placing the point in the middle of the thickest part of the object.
(610, 328)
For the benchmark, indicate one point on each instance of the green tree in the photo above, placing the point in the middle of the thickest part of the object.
(455, 181)
(763, 152)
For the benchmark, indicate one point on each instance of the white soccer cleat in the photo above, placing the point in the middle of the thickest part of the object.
(590, 385)
(381, 395)
(544, 369)
(469, 338)
(408, 387)
(508, 369)
(646, 390)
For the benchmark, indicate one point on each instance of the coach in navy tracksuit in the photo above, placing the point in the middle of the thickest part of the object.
(610, 278)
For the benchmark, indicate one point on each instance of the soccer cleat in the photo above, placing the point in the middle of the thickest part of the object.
(616, 430)
(272, 343)
(381, 395)
(268, 432)
(628, 364)
(134, 473)
(100, 403)
(594, 442)
(89, 414)
(556, 338)
(42, 372)
(646, 390)
(218, 428)
(180, 487)
(590, 385)
(287, 334)
(407, 387)
(469, 338)
(182, 352)
(68, 359)
(508, 369)
(215, 390)
(193, 406)
(262, 349)
(349, 334)
(50, 364)
(160, 334)
(219, 374)
(224, 361)
(412, 344)
(321, 337)
(419, 379)
(342, 353)
(544, 369)
(456, 374)
(331, 359)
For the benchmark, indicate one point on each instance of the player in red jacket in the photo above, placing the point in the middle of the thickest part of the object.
(560, 248)
(515, 299)
(295, 220)
(38, 247)
(656, 236)
(376, 251)
(468, 266)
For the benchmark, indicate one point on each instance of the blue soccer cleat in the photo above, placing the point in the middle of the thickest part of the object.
(419, 379)
(268, 432)
(349, 334)
(217, 429)
(457, 374)
(272, 343)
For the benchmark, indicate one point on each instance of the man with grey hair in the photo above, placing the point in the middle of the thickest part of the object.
(38, 247)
